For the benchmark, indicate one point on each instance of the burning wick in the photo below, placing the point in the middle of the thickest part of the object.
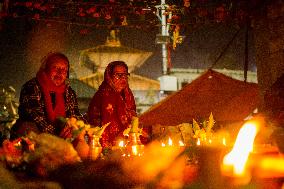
(134, 150)
(210, 141)
(170, 142)
(121, 144)
(198, 142)
(224, 142)
(181, 143)
(242, 148)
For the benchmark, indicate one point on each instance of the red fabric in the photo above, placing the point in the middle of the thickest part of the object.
(108, 105)
(47, 87)
(228, 99)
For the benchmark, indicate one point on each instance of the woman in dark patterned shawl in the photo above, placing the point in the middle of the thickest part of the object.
(113, 102)
(46, 97)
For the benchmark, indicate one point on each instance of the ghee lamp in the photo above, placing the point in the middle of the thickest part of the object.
(134, 147)
(198, 143)
(235, 163)
(224, 141)
(120, 148)
(181, 143)
(95, 148)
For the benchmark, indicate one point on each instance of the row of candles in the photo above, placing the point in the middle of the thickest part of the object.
(210, 142)
(237, 163)
(136, 149)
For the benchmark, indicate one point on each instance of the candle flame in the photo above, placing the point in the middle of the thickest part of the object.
(170, 142)
(242, 148)
(163, 144)
(121, 143)
(134, 150)
(181, 143)
(210, 141)
(224, 141)
(198, 142)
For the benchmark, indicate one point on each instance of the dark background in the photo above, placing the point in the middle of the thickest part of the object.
(25, 40)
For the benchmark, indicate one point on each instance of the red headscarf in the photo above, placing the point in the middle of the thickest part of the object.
(126, 92)
(49, 87)
(110, 105)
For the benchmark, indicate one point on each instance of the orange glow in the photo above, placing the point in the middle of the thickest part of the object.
(198, 142)
(121, 143)
(266, 167)
(224, 142)
(154, 160)
(170, 142)
(18, 143)
(134, 150)
(181, 143)
(237, 158)
(210, 141)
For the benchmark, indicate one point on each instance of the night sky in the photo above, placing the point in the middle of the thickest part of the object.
(23, 43)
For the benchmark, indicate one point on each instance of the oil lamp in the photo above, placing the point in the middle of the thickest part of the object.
(95, 148)
(134, 147)
(235, 163)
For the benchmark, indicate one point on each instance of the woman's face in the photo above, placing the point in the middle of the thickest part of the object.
(58, 71)
(120, 78)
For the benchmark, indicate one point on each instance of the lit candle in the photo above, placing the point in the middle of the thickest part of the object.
(198, 142)
(121, 146)
(237, 158)
(134, 150)
(170, 142)
(209, 141)
(224, 141)
(121, 143)
(181, 143)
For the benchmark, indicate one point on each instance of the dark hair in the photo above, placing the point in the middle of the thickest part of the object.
(113, 64)
(52, 57)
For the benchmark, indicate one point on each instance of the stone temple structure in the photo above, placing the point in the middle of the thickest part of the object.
(96, 59)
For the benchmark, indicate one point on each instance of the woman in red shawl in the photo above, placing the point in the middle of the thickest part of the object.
(46, 97)
(113, 102)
